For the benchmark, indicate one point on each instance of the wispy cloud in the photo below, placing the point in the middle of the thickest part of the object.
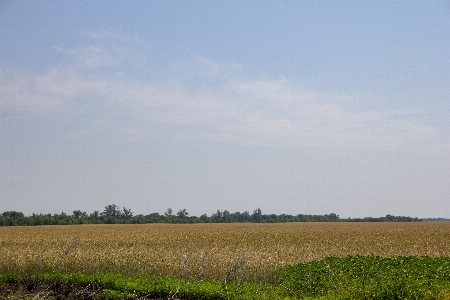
(217, 106)
(90, 57)
(52, 92)
(109, 35)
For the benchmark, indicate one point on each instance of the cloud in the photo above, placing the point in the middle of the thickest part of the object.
(90, 57)
(218, 106)
(53, 92)
(199, 66)
(108, 35)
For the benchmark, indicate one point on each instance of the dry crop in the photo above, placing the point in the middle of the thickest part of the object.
(210, 251)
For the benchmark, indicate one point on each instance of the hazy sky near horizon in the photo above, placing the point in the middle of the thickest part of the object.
(293, 107)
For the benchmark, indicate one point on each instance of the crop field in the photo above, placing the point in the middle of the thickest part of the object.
(209, 251)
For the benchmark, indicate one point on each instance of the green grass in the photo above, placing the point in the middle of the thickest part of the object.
(353, 277)
(368, 277)
(120, 286)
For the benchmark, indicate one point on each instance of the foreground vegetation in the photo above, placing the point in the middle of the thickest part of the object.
(113, 214)
(352, 277)
(227, 261)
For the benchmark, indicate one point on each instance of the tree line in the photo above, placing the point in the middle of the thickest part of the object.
(113, 214)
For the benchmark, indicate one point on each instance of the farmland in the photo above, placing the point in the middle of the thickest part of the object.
(209, 251)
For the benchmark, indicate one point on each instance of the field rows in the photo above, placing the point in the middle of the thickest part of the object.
(210, 251)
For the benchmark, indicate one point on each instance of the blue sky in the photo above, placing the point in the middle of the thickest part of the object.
(294, 107)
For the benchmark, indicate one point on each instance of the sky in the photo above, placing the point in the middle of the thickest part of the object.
(294, 107)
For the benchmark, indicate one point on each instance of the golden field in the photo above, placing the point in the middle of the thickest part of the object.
(210, 251)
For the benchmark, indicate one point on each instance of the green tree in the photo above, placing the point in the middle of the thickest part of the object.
(218, 216)
(127, 213)
(204, 218)
(168, 212)
(182, 213)
(226, 216)
(77, 214)
(111, 210)
(257, 216)
(13, 214)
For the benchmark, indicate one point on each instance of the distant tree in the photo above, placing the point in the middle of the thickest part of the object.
(257, 216)
(110, 220)
(204, 218)
(244, 217)
(218, 216)
(236, 217)
(332, 217)
(154, 218)
(226, 216)
(138, 219)
(182, 213)
(114, 215)
(127, 213)
(93, 217)
(168, 212)
(111, 210)
(13, 214)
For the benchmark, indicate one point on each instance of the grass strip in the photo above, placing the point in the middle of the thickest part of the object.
(120, 286)
(352, 277)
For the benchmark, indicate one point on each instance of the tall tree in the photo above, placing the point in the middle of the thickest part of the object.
(168, 212)
(182, 213)
(111, 210)
(257, 216)
(127, 213)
